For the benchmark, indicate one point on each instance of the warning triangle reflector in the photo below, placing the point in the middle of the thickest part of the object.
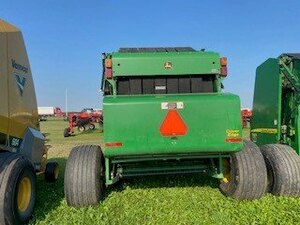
(173, 124)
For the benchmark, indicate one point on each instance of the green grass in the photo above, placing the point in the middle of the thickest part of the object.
(192, 199)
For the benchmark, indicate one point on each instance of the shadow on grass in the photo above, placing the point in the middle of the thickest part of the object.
(51, 195)
(167, 181)
(87, 132)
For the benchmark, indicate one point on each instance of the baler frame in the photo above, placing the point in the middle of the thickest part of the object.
(213, 167)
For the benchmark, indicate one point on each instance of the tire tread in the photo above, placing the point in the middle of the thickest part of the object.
(82, 176)
(249, 173)
(285, 166)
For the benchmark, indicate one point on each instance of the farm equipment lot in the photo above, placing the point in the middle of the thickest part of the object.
(176, 199)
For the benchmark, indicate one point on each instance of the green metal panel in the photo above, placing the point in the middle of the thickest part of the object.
(185, 63)
(266, 120)
(135, 122)
(295, 143)
(290, 68)
(292, 109)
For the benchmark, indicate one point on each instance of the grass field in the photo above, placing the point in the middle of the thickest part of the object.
(188, 199)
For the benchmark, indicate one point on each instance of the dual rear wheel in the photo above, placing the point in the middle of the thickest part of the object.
(283, 168)
(245, 174)
(273, 168)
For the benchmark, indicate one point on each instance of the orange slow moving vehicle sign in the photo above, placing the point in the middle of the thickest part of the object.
(173, 124)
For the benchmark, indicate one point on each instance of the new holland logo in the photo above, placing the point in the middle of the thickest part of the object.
(21, 80)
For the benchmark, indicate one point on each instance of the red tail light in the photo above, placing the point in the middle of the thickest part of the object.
(108, 73)
(224, 71)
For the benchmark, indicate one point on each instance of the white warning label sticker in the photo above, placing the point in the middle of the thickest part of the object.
(172, 105)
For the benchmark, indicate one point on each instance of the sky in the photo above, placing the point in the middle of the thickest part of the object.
(65, 39)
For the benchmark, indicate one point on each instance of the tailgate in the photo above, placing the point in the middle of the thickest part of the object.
(171, 124)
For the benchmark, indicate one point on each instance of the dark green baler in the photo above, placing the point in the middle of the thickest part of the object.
(275, 124)
(165, 113)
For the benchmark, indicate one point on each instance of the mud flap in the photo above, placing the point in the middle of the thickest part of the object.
(33, 147)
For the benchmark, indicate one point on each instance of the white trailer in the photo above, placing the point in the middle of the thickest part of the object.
(45, 112)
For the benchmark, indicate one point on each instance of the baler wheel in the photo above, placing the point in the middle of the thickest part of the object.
(226, 170)
(248, 174)
(283, 167)
(17, 188)
(67, 132)
(84, 176)
(101, 126)
(92, 126)
(81, 128)
(51, 172)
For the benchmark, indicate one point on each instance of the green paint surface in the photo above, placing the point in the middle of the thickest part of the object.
(183, 63)
(135, 122)
(267, 102)
(276, 102)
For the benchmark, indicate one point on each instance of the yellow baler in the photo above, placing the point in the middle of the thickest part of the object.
(22, 146)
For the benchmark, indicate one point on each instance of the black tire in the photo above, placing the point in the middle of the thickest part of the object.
(101, 126)
(84, 176)
(51, 172)
(17, 189)
(67, 132)
(283, 166)
(248, 174)
(92, 126)
(81, 128)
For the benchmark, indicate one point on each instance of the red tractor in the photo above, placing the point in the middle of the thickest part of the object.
(86, 118)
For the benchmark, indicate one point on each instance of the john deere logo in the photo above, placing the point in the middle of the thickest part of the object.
(20, 80)
(168, 65)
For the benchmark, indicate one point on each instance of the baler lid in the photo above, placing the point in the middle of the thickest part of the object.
(160, 49)
(6, 27)
(293, 55)
(164, 61)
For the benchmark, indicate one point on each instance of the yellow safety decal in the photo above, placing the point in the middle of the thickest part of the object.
(232, 133)
(264, 130)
